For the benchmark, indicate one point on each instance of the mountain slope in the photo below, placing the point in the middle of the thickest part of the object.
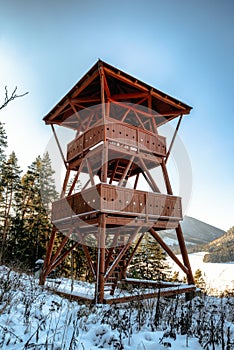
(221, 249)
(194, 231)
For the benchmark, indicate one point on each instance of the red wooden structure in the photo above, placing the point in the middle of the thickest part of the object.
(116, 118)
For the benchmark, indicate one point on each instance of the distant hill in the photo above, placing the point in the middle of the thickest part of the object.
(195, 232)
(221, 249)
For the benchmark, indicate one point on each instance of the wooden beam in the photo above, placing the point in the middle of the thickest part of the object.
(166, 177)
(104, 168)
(85, 84)
(85, 100)
(65, 182)
(155, 187)
(139, 119)
(103, 101)
(87, 254)
(90, 172)
(49, 250)
(114, 244)
(101, 260)
(62, 257)
(126, 96)
(130, 107)
(150, 111)
(73, 183)
(59, 108)
(133, 252)
(60, 248)
(113, 173)
(136, 181)
(184, 254)
(59, 146)
(154, 93)
(168, 250)
(126, 170)
(121, 254)
(173, 139)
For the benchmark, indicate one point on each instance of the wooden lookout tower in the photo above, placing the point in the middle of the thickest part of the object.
(117, 146)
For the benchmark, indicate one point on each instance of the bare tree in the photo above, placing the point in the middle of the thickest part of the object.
(11, 97)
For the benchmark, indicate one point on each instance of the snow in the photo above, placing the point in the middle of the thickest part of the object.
(218, 276)
(34, 318)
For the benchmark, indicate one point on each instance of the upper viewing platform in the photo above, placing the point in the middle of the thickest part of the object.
(105, 91)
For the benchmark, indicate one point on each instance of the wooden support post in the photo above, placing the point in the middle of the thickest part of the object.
(65, 182)
(132, 254)
(149, 177)
(101, 260)
(152, 117)
(102, 82)
(49, 250)
(173, 138)
(104, 168)
(166, 177)
(62, 245)
(136, 181)
(114, 244)
(113, 173)
(90, 170)
(59, 146)
(168, 250)
(121, 254)
(126, 170)
(73, 183)
(184, 254)
(87, 254)
(62, 257)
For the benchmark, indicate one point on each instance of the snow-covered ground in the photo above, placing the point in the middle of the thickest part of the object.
(219, 277)
(33, 318)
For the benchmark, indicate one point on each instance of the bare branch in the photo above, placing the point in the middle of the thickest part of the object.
(11, 97)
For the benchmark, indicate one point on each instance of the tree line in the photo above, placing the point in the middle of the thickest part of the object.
(25, 201)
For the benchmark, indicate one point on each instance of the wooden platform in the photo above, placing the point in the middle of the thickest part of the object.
(124, 207)
(145, 290)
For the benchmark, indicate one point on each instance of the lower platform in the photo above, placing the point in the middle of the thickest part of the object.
(127, 290)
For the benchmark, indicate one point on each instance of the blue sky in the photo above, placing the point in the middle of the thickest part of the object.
(182, 47)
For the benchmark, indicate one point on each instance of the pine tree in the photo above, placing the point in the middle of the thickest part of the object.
(199, 280)
(149, 261)
(9, 183)
(47, 182)
(32, 224)
(3, 144)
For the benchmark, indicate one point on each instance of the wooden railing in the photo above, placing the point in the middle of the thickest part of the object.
(119, 133)
(118, 200)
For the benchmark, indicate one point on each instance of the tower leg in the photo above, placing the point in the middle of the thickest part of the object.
(49, 249)
(101, 261)
(184, 254)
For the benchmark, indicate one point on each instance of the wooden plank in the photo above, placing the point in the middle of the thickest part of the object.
(164, 292)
